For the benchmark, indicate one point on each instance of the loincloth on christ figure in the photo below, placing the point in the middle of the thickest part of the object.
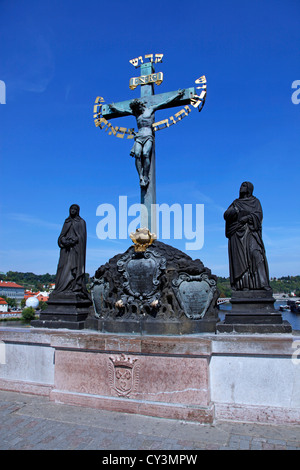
(140, 139)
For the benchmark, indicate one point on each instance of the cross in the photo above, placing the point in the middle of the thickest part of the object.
(144, 147)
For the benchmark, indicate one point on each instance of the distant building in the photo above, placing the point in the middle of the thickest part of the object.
(29, 293)
(41, 296)
(3, 306)
(12, 290)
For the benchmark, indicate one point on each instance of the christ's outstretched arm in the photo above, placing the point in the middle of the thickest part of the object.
(178, 95)
(119, 109)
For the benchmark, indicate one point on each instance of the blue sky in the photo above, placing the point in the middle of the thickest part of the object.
(57, 56)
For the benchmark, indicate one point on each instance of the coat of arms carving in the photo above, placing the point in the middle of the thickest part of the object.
(123, 374)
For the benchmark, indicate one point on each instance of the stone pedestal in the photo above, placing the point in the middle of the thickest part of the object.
(160, 291)
(202, 378)
(253, 312)
(151, 326)
(154, 376)
(67, 310)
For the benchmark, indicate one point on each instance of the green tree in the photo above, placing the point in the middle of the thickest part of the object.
(28, 314)
(43, 305)
(11, 302)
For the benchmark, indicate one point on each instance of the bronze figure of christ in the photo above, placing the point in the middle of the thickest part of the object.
(144, 112)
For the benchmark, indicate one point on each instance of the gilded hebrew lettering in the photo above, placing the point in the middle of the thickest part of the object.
(158, 58)
(181, 114)
(135, 62)
(149, 56)
(113, 130)
(122, 130)
(101, 122)
(164, 123)
(201, 79)
(196, 100)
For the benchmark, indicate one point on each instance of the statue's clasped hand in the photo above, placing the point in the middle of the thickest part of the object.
(69, 242)
(245, 219)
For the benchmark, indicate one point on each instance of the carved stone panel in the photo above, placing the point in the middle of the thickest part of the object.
(99, 292)
(123, 374)
(194, 294)
(141, 274)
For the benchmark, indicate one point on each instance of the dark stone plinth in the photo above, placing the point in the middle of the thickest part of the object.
(254, 318)
(151, 327)
(254, 328)
(66, 310)
(260, 301)
(253, 312)
(161, 291)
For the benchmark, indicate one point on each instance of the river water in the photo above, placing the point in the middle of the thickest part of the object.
(292, 318)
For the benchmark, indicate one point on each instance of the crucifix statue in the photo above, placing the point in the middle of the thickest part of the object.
(144, 113)
(143, 109)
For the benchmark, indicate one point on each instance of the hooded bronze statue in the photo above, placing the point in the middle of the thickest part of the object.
(70, 275)
(247, 258)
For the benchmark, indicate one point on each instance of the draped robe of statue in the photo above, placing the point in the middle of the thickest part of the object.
(70, 275)
(247, 259)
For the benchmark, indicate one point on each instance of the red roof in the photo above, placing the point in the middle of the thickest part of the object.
(9, 284)
(29, 294)
(42, 298)
(2, 301)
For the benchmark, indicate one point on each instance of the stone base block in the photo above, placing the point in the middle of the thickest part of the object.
(253, 312)
(148, 326)
(256, 414)
(22, 386)
(257, 318)
(204, 415)
(155, 376)
(201, 378)
(64, 311)
(57, 324)
(253, 328)
(260, 302)
(161, 291)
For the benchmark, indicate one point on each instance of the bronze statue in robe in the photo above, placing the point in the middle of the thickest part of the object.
(70, 275)
(247, 258)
